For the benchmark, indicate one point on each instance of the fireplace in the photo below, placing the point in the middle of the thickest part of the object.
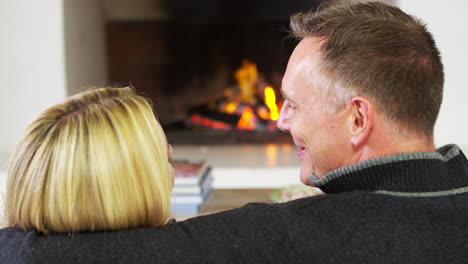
(213, 69)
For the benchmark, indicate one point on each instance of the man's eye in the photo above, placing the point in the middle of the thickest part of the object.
(289, 105)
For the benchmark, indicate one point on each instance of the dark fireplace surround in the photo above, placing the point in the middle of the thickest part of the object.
(189, 60)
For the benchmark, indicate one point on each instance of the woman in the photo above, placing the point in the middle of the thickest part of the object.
(90, 182)
(98, 161)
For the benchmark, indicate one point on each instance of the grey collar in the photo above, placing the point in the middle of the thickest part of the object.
(443, 154)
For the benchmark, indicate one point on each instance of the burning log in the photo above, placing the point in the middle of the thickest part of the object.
(205, 111)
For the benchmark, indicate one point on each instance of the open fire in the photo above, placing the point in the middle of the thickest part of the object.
(251, 106)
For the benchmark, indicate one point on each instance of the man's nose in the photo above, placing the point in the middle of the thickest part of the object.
(283, 121)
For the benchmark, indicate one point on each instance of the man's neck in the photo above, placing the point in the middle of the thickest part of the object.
(384, 145)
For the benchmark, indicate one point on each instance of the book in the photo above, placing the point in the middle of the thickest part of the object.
(185, 209)
(192, 185)
(199, 189)
(189, 173)
(187, 204)
(189, 198)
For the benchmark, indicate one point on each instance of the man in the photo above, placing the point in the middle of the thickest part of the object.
(364, 82)
(363, 89)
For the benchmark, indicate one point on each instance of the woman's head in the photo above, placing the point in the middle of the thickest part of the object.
(98, 161)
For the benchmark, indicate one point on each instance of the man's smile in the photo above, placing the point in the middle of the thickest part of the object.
(301, 152)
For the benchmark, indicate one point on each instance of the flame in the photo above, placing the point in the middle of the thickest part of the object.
(245, 103)
(247, 76)
(230, 107)
(263, 113)
(247, 119)
(270, 101)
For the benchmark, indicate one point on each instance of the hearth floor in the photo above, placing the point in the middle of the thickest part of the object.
(246, 166)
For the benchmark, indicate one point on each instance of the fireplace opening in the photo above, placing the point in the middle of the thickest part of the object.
(213, 69)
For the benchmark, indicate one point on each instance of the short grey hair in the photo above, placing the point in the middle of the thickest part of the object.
(377, 51)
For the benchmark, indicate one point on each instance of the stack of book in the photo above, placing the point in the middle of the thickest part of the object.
(192, 184)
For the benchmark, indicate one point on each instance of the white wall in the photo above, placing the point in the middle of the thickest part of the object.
(49, 49)
(32, 71)
(85, 47)
(448, 22)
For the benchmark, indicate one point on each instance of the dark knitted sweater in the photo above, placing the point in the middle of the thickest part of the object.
(404, 208)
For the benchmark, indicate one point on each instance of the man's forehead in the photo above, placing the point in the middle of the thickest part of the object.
(306, 52)
(293, 76)
(308, 47)
(301, 65)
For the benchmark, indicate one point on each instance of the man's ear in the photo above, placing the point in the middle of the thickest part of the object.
(360, 120)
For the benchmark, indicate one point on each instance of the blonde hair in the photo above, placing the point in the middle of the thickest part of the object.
(98, 161)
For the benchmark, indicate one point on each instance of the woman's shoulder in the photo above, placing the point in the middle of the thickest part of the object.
(129, 246)
(232, 234)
